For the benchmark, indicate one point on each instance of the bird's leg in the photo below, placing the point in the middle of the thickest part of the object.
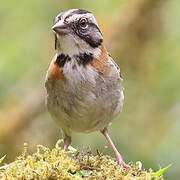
(67, 142)
(117, 154)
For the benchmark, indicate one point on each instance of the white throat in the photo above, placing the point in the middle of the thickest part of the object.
(70, 45)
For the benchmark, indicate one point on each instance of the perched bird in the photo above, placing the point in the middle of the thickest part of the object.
(83, 83)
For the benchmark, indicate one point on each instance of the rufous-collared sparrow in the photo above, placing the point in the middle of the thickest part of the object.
(83, 83)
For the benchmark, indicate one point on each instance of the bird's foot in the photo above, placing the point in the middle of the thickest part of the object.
(120, 161)
(67, 142)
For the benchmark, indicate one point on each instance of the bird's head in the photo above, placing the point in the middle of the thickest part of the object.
(76, 31)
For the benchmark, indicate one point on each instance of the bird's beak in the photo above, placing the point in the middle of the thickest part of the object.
(61, 28)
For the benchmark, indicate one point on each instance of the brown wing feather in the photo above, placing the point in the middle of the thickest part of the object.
(102, 64)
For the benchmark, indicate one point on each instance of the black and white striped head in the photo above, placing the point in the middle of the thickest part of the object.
(76, 30)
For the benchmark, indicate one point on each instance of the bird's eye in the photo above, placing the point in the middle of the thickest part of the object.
(83, 23)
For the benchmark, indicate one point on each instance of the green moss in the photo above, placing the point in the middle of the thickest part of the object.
(55, 164)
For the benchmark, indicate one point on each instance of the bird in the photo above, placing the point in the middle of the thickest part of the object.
(84, 89)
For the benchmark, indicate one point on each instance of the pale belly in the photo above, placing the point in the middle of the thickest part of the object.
(84, 108)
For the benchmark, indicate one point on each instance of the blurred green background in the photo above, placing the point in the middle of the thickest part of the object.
(143, 36)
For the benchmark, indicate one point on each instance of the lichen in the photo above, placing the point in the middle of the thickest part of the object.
(55, 164)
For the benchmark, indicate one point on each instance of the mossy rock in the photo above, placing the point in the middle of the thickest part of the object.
(56, 164)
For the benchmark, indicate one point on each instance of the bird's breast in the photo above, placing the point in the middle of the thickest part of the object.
(80, 98)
